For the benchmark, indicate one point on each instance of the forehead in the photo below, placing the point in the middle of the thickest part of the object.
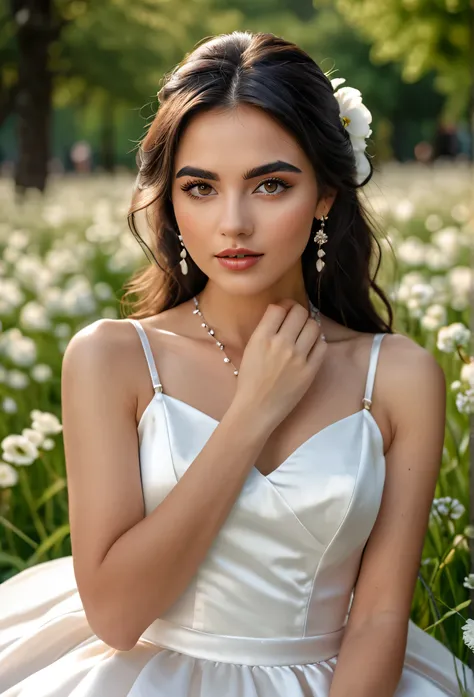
(238, 137)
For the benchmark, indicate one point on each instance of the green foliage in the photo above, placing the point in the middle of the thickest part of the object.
(422, 35)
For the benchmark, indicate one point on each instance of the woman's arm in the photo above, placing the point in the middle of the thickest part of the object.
(372, 654)
(131, 568)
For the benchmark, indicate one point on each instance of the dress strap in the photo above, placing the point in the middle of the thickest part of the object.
(374, 354)
(157, 386)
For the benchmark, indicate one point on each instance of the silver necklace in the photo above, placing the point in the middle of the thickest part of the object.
(314, 312)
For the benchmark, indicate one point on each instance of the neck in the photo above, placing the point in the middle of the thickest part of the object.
(235, 317)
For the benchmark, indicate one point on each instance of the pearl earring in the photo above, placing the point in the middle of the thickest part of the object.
(321, 238)
(182, 254)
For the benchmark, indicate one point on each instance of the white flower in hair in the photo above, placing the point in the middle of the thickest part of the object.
(355, 118)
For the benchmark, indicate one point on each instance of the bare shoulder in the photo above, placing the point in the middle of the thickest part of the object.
(100, 337)
(106, 344)
(412, 382)
(405, 362)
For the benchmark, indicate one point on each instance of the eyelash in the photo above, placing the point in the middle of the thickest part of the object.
(190, 185)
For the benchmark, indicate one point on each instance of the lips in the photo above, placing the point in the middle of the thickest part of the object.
(238, 252)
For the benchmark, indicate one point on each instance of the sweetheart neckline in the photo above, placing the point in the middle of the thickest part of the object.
(292, 454)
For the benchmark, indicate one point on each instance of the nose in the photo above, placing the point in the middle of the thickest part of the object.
(235, 218)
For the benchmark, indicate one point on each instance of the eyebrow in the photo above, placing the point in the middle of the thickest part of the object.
(278, 166)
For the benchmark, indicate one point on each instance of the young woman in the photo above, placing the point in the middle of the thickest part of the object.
(252, 455)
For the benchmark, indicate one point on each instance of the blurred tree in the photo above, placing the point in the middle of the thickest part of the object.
(423, 36)
(75, 52)
(29, 27)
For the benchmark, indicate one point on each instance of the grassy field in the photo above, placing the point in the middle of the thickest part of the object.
(64, 261)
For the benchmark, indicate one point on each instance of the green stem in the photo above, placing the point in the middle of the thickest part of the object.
(25, 487)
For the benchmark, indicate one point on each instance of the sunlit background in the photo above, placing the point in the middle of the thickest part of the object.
(78, 84)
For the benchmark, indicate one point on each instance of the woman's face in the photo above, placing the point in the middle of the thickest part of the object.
(227, 205)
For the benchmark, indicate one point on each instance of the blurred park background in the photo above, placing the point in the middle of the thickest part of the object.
(78, 84)
(79, 78)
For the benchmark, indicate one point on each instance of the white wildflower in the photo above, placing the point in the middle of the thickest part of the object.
(78, 297)
(33, 274)
(8, 475)
(467, 373)
(452, 336)
(17, 380)
(11, 294)
(469, 582)
(448, 241)
(36, 437)
(52, 299)
(434, 317)
(465, 401)
(45, 422)
(436, 259)
(48, 444)
(460, 281)
(422, 292)
(412, 251)
(447, 507)
(404, 210)
(468, 634)
(19, 239)
(62, 262)
(41, 372)
(19, 450)
(9, 406)
(20, 349)
(33, 317)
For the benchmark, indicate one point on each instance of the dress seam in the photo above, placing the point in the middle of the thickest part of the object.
(349, 506)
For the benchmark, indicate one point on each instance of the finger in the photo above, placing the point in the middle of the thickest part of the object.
(294, 322)
(272, 320)
(309, 335)
(316, 353)
(287, 303)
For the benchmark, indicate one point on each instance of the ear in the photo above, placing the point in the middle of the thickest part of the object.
(325, 203)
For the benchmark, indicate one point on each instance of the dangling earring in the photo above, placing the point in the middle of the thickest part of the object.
(321, 238)
(182, 254)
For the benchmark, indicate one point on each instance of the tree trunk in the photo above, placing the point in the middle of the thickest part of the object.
(34, 97)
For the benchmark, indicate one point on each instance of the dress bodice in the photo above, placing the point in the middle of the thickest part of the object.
(285, 562)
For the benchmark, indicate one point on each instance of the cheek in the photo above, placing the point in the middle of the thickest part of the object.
(191, 223)
(292, 223)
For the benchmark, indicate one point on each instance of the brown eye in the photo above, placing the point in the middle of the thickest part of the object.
(200, 188)
(271, 184)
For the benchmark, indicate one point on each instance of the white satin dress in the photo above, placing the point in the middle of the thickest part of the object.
(264, 615)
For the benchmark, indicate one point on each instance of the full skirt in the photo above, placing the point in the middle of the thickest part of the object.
(47, 649)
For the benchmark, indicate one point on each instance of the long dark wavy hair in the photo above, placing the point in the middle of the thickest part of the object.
(267, 72)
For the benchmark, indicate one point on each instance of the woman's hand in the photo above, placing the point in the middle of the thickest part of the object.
(280, 361)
